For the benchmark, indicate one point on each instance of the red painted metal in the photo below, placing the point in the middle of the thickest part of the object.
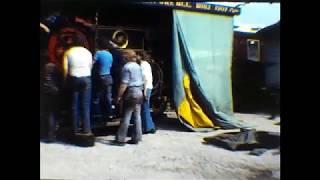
(55, 44)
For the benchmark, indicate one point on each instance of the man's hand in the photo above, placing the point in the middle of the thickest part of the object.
(118, 100)
(121, 91)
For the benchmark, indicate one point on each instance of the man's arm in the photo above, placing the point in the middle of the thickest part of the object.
(83, 22)
(121, 91)
(125, 77)
(91, 61)
(95, 57)
(65, 65)
(114, 45)
(147, 71)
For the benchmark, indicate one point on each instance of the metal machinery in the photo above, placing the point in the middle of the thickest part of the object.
(134, 38)
(88, 32)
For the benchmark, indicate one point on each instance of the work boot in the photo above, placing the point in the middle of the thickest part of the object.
(117, 143)
(272, 117)
(152, 131)
(88, 134)
(50, 139)
(133, 142)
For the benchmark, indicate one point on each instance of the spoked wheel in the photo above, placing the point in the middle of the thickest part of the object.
(158, 106)
(158, 102)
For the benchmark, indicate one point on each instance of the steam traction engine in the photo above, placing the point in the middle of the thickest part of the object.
(88, 33)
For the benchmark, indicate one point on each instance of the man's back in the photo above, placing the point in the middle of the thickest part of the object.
(79, 61)
(132, 74)
(147, 73)
(104, 59)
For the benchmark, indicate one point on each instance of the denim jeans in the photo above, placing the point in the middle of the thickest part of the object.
(131, 107)
(104, 95)
(147, 122)
(81, 96)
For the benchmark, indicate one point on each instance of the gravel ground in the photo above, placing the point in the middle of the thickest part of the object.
(171, 153)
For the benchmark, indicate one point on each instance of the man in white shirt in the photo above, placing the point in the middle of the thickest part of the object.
(147, 122)
(77, 65)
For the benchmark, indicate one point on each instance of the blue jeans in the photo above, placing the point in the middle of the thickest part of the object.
(147, 122)
(81, 96)
(104, 95)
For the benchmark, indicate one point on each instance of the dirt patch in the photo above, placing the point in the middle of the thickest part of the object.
(170, 154)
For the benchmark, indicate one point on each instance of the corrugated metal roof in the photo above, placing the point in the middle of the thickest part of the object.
(269, 28)
(246, 29)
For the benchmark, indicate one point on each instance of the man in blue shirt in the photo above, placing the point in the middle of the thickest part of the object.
(130, 93)
(103, 62)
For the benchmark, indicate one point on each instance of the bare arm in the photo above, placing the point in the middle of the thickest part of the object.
(121, 91)
(65, 65)
(84, 22)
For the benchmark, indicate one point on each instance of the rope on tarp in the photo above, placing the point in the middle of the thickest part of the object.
(44, 27)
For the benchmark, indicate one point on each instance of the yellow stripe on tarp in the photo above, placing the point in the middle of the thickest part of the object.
(190, 111)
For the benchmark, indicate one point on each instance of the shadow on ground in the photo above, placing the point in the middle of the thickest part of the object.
(173, 124)
(64, 135)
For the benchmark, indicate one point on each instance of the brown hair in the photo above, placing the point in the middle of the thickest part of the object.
(145, 56)
(130, 54)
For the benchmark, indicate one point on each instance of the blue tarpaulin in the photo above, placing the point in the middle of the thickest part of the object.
(202, 56)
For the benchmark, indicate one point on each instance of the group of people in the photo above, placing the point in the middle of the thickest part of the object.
(91, 79)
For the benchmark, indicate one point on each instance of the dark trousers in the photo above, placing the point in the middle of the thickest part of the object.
(103, 96)
(128, 111)
(50, 108)
(80, 106)
(275, 98)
